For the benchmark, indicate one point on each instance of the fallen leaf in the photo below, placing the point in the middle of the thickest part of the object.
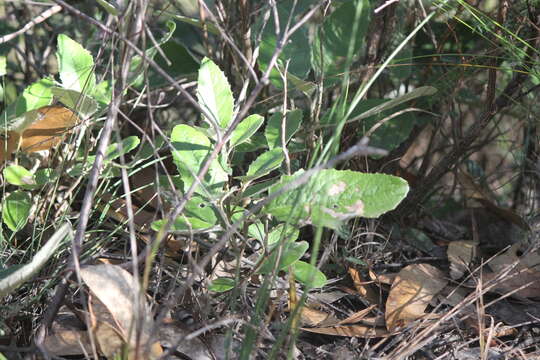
(53, 122)
(114, 287)
(460, 254)
(109, 339)
(411, 292)
(356, 325)
(314, 317)
(67, 336)
(362, 331)
(525, 273)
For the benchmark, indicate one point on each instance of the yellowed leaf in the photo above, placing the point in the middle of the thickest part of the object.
(411, 292)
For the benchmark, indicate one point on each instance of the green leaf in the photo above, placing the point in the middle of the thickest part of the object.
(16, 209)
(113, 151)
(110, 8)
(273, 130)
(44, 176)
(214, 93)
(256, 189)
(180, 60)
(277, 235)
(82, 104)
(296, 52)
(222, 284)
(191, 149)
(389, 104)
(35, 96)
(76, 65)
(331, 45)
(309, 275)
(246, 129)
(282, 233)
(291, 252)
(18, 175)
(331, 197)
(211, 28)
(198, 214)
(264, 164)
(10, 279)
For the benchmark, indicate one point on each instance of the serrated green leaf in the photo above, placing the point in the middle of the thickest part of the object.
(76, 65)
(246, 129)
(214, 93)
(191, 149)
(291, 252)
(264, 164)
(331, 197)
(18, 175)
(222, 284)
(16, 209)
(273, 130)
(309, 275)
(113, 151)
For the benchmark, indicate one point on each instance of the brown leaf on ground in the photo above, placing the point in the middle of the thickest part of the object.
(314, 317)
(525, 272)
(356, 325)
(362, 331)
(411, 292)
(67, 336)
(115, 288)
(460, 254)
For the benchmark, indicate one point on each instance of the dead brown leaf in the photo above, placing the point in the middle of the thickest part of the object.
(115, 288)
(526, 272)
(411, 292)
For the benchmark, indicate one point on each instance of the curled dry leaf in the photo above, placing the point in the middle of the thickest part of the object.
(460, 254)
(411, 292)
